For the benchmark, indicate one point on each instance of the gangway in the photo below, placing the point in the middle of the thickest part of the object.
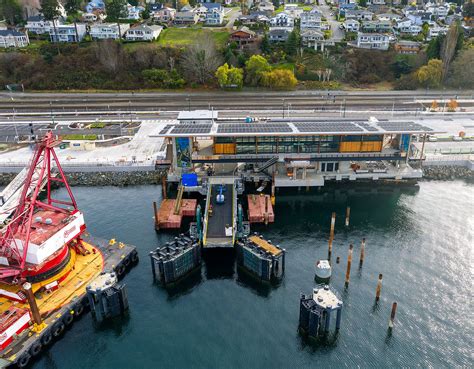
(267, 164)
(220, 218)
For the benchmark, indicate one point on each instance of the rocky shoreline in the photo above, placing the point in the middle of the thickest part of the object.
(447, 172)
(103, 178)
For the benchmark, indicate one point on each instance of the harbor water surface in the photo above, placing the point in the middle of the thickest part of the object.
(421, 240)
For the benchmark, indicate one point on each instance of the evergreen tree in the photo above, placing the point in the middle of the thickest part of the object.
(72, 6)
(116, 10)
(363, 3)
(434, 48)
(265, 45)
(10, 10)
(50, 11)
(292, 43)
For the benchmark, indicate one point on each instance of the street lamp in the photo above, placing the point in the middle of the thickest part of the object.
(283, 108)
(51, 111)
(188, 99)
(14, 125)
(130, 110)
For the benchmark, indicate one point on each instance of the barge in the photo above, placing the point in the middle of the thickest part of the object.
(47, 260)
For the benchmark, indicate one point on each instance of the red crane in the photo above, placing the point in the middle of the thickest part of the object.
(15, 240)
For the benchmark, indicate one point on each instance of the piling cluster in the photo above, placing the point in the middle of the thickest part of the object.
(261, 258)
(175, 259)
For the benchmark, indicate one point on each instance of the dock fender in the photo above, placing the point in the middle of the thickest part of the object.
(46, 338)
(35, 348)
(58, 328)
(23, 360)
(120, 269)
(127, 261)
(78, 309)
(134, 256)
(68, 319)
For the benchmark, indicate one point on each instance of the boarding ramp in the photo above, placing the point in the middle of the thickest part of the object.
(220, 219)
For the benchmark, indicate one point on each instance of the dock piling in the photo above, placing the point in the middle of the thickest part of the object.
(333, 223)
(163, 187)
(348, 270)
(348, 214)
(155, 210)
(337, 260)
(379, 288)
(330, 248)
(392, 315)
(32, 302)
(362, 253)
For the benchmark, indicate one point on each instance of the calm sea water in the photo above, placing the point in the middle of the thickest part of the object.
(421, 240)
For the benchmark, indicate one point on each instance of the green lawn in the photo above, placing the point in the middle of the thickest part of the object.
(187, 36)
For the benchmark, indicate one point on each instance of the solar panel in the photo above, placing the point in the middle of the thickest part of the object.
(367, 127)
(403, 127)
(200, 128)
(165, 129)
(254, 128)
(322, 127)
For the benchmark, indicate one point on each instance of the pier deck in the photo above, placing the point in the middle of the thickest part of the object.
(219, 218)
(260, 209)
(167, 219)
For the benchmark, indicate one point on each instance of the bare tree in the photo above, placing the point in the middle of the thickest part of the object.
(110, 55)
(201, 60)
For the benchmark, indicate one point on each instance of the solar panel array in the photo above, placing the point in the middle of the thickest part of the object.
(403, 127)
(328, 127)
(367, 127)
(254, 128)
(200, 128)
(165, 129)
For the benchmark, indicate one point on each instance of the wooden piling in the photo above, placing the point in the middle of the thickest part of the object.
(379, 288)
(362, 252)
(163, 187)
(330, 248)
(348, 214)
(266, 211)
(155, 209)
(349, 262)
(32, 302)
(333, 223)
(392, 315)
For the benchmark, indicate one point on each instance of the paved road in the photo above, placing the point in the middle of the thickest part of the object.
(337, 33)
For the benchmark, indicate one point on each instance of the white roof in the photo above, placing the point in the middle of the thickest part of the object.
(197, 114)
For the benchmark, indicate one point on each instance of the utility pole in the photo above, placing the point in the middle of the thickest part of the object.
(51, 111)
(130, 112)
(14, 125)
(283, 108)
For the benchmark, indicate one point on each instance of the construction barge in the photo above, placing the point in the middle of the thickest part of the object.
(47, 261)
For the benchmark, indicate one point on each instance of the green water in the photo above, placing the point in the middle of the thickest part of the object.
(421, 241)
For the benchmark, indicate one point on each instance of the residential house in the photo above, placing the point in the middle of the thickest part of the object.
(351, 25)
(403, 23)
(420, 17)
(293, 10)
(376, 2)
(436, 31)
(164, 15)
(267, 7)
(310, 19)
(12, 38)
(214, 14)
(95, 5)
(143, 33)
(372, 41)
(312, 38)
(38, 25)
(186, 18)
(254, 18)
(67, 32)
(243, 37)
(3, 26)
(439, 11)
(407, 47)
(411, 30)
(390, 17)
(377, 26)
(359, 15)
(282, 20)
(345, 7)
(133, 12)
(278, 34)
(108, 31)
(89, 17)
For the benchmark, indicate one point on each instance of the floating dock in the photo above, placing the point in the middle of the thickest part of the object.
(65, 301)
(175, 260)
(260, 209)
(316, 310)
(168, 218)
(261, 258)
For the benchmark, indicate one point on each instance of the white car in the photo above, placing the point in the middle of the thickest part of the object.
(432, 139)
(456, 138)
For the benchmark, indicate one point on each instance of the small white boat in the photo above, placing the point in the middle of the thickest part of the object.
(323, 269)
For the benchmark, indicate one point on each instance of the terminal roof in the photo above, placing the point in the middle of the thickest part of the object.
(294, 127)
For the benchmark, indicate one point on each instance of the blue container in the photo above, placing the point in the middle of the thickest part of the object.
(189, 179)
